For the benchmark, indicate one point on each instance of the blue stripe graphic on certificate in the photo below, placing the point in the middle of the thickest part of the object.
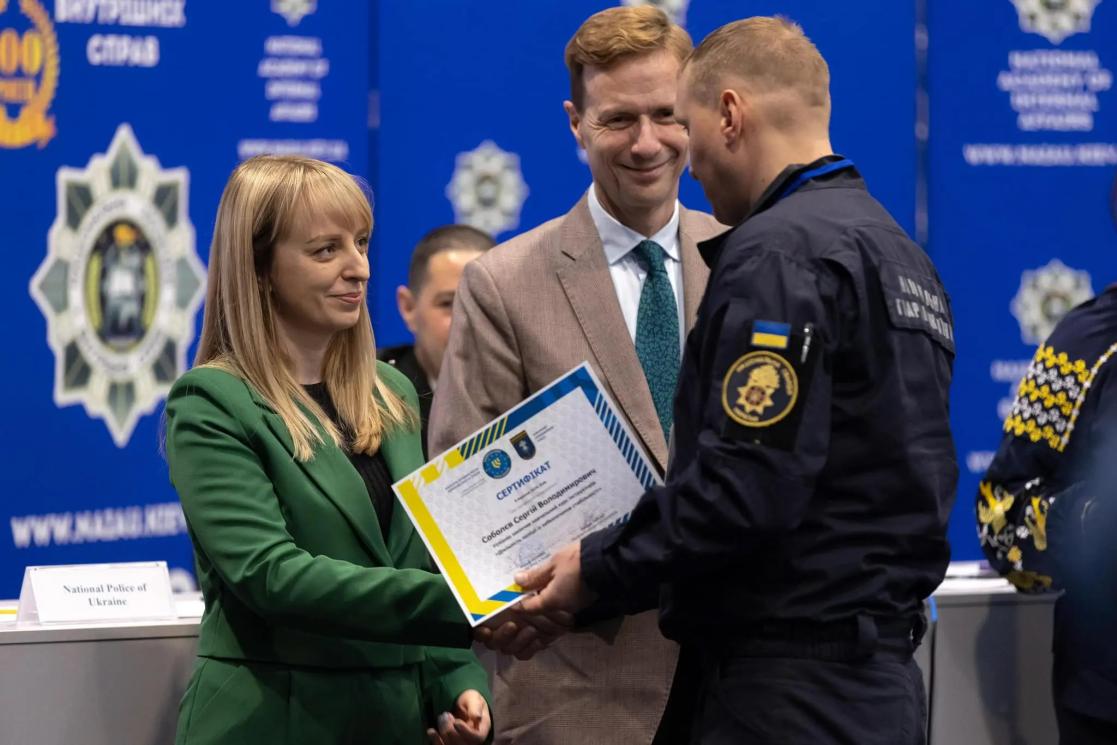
(506, 596)
(628, 449)
(579, 379)
(484, 438)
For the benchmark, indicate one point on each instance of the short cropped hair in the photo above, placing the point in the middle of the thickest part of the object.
(616, 34)
(767, 54)
(445, 238)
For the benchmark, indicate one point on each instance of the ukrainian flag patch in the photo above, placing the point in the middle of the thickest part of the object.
(770, 334)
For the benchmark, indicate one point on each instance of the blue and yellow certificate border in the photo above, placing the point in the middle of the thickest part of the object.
(580, 379)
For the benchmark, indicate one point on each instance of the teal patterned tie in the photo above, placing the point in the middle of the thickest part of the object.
(657, 332)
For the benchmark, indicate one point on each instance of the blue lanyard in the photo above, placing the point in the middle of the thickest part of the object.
(806, 176)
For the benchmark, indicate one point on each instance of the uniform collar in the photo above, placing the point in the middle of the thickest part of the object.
(618, 239)
(775, 189)
(712, 248)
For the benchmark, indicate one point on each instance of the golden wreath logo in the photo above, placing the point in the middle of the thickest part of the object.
(29, 69)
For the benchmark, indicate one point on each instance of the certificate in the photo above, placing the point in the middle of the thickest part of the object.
(555, 468)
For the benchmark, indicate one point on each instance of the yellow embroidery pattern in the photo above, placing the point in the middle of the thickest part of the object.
(1036, 521)
(997, 504)
(1047, 397)
(1066, 366)
(1035, 433)
(1086, 389)
(1029, 581)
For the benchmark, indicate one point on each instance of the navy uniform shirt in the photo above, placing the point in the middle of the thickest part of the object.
(813, 472)
(1047, 507)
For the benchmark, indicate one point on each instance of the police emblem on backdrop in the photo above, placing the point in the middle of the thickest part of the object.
(675, 9)
(487, 189)
(1045, 296)
(294, 11)
(120, 285)
(1055, 20)
(525, 448)
(28, 73)
(496, 463)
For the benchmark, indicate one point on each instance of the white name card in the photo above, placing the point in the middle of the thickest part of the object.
(96, 592)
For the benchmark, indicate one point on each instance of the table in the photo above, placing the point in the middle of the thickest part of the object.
(986, 662)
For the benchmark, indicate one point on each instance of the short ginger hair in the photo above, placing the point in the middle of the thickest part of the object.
(615, 34)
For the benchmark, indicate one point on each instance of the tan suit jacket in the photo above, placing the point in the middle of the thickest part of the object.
(526, 312)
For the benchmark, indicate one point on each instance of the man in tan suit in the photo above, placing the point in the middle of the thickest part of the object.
(616, 281)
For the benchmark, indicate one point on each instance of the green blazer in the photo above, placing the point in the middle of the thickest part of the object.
(291, 561)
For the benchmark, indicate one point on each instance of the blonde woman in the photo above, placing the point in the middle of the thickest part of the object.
(323, 620)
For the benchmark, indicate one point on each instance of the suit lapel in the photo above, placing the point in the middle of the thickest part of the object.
(584, 275)
(695, 271)
(338, 481)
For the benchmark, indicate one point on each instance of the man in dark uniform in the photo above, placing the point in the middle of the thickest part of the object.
(1047, 509)
(803, 518)
(426, 304)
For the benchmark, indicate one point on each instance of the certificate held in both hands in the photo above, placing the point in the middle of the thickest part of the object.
(555, 468)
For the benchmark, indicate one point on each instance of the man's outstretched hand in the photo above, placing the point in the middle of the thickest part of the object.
(541, 618)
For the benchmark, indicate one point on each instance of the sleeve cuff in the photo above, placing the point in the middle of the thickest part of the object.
(596, 576)
(596, 572)
(457, 671)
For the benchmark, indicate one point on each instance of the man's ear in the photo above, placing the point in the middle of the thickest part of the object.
(734, 112)
(575, 120)
(405, 301)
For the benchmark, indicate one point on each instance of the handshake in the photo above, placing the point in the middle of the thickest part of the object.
(525, 629)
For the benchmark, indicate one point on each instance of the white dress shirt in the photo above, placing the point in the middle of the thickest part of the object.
(628, 272)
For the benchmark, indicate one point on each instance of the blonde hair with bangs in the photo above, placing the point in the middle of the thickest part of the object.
(615, 34)
(264, 199)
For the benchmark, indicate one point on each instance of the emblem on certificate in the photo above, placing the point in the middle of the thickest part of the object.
(497, 464)
(485, 513)
(525, 448)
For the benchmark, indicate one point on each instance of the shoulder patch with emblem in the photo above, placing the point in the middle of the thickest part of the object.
(762, 390)
(759, 389)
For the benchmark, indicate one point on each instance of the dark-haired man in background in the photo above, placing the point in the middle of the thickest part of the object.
(426, 302)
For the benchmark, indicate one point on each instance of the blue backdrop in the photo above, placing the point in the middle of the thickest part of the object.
(455, 75)
(1023, 151)
(118, 132)
(198, 85)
